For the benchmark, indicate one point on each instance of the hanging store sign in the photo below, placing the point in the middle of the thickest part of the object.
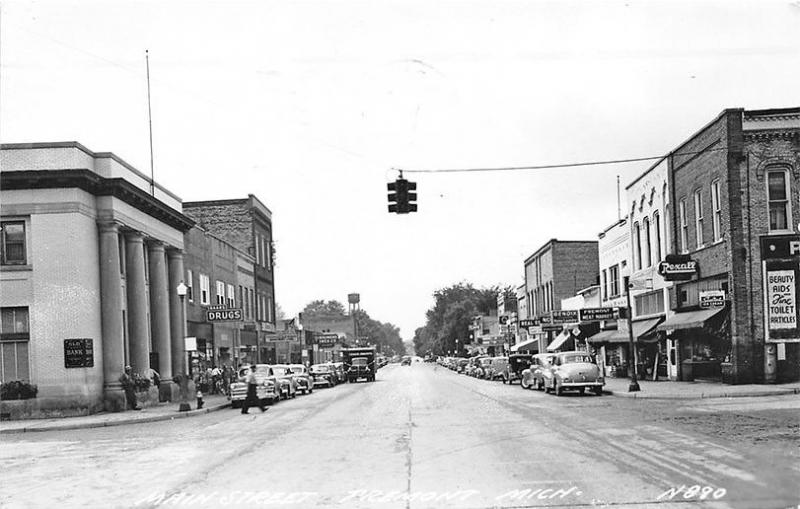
(598, 314)
(527, 322)
(564, 316)
(677, 268)
(216, 314)
(712, 299)
(326, 340)
(782, 299)
(780, 247)
(78, 353)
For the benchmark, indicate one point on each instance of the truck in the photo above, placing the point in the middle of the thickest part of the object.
(359, 363)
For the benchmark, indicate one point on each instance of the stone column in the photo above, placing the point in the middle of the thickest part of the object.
(138, 332)
(176, 312)
(159, 315)
(113, 342)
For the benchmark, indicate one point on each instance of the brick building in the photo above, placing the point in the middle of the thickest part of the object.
(557, 270)
(246, 224)
(92, 256)
(734, 186)
(218, 274)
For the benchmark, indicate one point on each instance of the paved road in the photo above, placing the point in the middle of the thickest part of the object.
(420, 436)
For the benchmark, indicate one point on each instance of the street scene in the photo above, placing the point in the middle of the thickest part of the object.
(417, 254)
(424, 436)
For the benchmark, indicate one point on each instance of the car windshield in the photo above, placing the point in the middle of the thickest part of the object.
(576, 358)
(320, 368)
(360, 361)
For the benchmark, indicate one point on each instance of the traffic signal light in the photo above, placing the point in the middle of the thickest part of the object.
(401, 199)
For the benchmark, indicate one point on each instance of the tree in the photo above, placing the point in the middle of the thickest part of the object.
(324, 309)
(451, 315)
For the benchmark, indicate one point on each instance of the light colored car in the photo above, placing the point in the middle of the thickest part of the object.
(497, 368)
(266, 389)
(303, 378)
(323, 374)
(538, 374)
(483, 367)
(575, 370)
(288, 384)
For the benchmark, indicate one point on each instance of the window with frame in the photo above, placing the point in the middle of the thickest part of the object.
(716, 211)
(268, 246)
(657, 236)
(637, 245)
(605, 284)
(698, 218)
(231, 296)
(189, 285)
(13, 243)
(647, 242)
(649, 303)
(14, 341)
(269, 309)
(220, 294)
(613, 276)
(205, 290)
(778, 198)
(684, 227)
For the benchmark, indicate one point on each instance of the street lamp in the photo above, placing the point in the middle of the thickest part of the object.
(457, 350)
(634, 385)
(183, 378)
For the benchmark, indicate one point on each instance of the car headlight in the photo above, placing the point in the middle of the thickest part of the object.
(566, 379)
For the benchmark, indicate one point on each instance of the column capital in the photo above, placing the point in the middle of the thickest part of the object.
(155, 245)
(133, 236)
(108, 226)
(174, 253)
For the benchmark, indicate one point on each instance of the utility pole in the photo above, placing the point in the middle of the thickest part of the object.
(634, 385)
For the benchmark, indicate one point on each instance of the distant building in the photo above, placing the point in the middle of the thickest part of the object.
(246, 224)
(556, 271)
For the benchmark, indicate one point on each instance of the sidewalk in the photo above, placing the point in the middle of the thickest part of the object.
(695, 390)
(160, 412)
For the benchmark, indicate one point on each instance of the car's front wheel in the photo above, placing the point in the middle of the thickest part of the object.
(598, 391)
(558, 388)
(524, 384)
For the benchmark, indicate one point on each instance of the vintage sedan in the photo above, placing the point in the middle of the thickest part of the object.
(497, 369)
(288, 383)
(517, 363)
(267, 388)
(575, 371)
(323, 374)
(303, 378)
(538, 373)
(483, 367)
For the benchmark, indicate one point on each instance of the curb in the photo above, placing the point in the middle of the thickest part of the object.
(639, 395)
(105, 424)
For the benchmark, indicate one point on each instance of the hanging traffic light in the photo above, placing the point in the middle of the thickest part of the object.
(401, 199)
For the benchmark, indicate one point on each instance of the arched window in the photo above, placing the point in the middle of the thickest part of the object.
(778, 193)
(637, 246)
(647, 254)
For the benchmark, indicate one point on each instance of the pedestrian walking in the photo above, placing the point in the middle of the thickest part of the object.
(130, 389)
(252, 397)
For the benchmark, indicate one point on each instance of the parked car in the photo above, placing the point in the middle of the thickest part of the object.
(323, 374)
(303, 378)
(575, 370)
(538, 374)
(517, 363)
(482, 367)
(288, 384)
(406, 361)
(267, 388)
(461, 365)
(497, 368)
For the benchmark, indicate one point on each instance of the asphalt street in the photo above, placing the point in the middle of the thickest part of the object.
(423, 436)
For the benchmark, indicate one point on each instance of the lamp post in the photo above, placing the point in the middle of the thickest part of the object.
(183, 378)
(457, 350)
(634, 385)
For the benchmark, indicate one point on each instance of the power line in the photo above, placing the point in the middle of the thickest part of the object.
(562, 165)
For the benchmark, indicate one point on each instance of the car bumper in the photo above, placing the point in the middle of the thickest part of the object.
(568, 385)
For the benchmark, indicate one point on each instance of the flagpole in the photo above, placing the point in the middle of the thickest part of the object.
(150, 123)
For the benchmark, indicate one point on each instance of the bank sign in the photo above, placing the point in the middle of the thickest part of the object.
(781, 263)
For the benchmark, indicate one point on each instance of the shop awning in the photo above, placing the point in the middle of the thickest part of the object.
(560, 340)
(690, 319)
(531, 344)
(640, 328)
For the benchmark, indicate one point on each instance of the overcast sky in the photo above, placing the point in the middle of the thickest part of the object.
(309, 105)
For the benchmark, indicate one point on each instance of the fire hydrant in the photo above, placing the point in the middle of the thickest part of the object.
(199, 400)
